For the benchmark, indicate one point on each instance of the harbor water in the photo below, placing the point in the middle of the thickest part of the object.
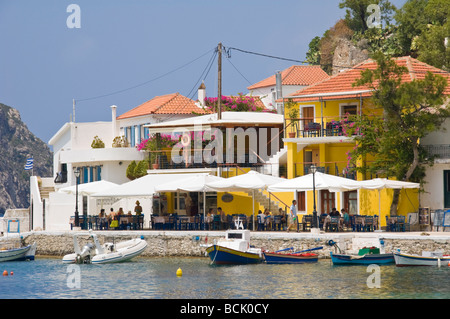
(156, 278)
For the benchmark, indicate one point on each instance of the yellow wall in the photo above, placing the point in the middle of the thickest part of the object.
(336, 153)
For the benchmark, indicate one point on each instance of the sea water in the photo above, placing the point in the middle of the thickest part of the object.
(156, 278)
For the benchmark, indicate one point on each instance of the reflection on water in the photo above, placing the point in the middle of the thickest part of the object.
(156, 278)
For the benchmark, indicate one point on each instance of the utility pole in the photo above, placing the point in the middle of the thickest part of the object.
(73, 107)
(219, 89)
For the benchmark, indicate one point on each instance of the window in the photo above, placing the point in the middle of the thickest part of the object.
(301, 201)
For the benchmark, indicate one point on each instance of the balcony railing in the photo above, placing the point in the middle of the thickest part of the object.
(315, 127)
(333, 168)
(441, 151)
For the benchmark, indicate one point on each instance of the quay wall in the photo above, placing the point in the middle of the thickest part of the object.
(192, 243)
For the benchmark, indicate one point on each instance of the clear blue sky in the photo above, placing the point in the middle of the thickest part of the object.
(122, 44)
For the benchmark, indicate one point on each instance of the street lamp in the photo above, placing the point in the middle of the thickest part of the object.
(313, 170)
(77, 218)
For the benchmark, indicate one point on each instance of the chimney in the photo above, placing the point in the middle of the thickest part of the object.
(279, 92)
(114, 120)
(202, 94)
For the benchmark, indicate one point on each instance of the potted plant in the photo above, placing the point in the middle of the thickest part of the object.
(154, 144)
(293, 115)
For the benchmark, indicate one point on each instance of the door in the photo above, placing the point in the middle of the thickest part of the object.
(307, 116)
(327, 201)
(447, 189)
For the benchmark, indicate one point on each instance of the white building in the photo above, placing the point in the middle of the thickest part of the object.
(436, 193)
(51, 209)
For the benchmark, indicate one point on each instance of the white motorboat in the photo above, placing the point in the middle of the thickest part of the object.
(122, 251)
(106, 253)
(18, 253)
(427, 259)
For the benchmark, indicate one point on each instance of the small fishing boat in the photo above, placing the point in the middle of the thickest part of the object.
(18, 253)
(234, 249)
(427, 259)
(365, 256)
(284, 257)
(106, 253)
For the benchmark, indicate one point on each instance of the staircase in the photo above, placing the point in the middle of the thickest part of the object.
(263, 200)
(273, 164)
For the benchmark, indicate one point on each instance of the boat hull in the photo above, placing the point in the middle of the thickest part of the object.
(122, 254)
(405, 260)
(18, 254)
(368, 259)
(220, 255)
(277, 258)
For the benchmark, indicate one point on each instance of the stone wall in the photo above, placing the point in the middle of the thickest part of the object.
(185, 244)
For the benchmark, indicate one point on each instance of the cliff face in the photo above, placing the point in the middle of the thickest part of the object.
(17, 144)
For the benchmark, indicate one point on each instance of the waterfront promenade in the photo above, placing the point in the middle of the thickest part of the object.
(191, 243)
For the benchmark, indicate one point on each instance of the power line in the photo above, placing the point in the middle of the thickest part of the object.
(143, 83)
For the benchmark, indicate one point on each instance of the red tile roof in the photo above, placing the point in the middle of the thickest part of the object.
(340, 86)
(295, 75)
(174, 103)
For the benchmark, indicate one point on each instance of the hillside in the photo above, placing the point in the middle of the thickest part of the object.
(17, 144)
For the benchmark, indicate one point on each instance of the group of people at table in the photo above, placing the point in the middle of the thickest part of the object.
(114, 219)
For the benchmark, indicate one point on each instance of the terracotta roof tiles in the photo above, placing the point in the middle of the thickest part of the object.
(295, 75)
(174, 103)
(340, 86)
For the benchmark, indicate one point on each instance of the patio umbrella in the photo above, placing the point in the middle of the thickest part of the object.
(381, 183)
(88, 188)
(322, 181)
(249, 181)
(191, 183)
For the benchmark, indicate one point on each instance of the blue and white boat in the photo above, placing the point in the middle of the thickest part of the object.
(234, 249)
(18, 253)
(427, 259)
(365, 256)
(366, 259)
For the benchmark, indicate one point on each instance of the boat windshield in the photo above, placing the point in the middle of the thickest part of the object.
(234, 235)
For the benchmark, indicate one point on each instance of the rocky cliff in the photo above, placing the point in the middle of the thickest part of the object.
(17, 144)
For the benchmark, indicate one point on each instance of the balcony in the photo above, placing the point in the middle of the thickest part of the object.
(315, 127)
(441, 152)
(165, 164)
(333, 168)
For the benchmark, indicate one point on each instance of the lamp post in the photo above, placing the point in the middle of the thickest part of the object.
(313, 169)
(77, 218)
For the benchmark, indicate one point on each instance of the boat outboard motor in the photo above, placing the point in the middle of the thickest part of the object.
(84, 257)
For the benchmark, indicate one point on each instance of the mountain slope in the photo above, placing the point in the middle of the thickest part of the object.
(17, 144)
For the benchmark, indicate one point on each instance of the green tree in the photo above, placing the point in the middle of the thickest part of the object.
(357, 12)
(313, 54)
(130, 170)
(141, 169)
(411, 110)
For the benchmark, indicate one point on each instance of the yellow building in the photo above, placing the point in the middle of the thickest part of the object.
(314, 135)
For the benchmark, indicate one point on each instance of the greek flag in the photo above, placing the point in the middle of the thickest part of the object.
(29, 164)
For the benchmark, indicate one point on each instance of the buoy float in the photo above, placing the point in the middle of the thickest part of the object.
(5, 273)
(179, 272)
(12, 273)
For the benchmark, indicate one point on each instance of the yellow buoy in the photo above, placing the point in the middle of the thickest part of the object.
(179, 272)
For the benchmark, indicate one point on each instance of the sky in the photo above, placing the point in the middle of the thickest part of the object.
(127, 52)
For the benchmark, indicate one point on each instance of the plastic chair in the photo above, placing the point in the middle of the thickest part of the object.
(276, 225)
(334, 223)
(216, 222)
(368, 223)
(307, 222)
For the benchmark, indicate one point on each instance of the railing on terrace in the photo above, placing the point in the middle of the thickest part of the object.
(439, 150)
(332, 168)
(241, 165)
(315, 126)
